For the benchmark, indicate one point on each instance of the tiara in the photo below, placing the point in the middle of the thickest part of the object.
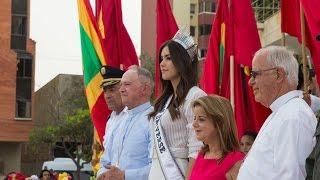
(184, 39)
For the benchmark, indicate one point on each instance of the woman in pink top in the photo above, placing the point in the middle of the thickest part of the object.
(214, 125)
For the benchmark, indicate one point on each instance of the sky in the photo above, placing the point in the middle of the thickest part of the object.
(54, 25)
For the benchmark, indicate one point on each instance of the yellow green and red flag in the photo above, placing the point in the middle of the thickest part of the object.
(93, 57)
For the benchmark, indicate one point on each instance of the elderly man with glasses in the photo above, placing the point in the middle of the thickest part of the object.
(286, 137)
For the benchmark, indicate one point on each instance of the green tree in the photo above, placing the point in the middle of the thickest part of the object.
(147, 62)
(74, 135)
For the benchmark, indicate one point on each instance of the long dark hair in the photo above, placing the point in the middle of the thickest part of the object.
(187, 68)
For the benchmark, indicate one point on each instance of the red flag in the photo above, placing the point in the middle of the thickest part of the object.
(166, 29)
(216, 51)
(245, 43)
(291, 24)
(119, 48)
(98, 9)
(234, 32)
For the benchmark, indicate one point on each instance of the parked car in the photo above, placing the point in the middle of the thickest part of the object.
(67, 165)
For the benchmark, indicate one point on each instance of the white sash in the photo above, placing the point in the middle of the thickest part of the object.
(168, 165)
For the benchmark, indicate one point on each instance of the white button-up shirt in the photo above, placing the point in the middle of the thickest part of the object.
(284, 142)
(113, 122)
(128, 145)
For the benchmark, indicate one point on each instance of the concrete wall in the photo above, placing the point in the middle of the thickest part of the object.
(10, 155)
(181, 11)
(148, 28)
(270, 34)
(57, 99)
(270, 30)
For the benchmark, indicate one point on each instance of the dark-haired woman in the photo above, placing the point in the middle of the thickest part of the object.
(175, 144)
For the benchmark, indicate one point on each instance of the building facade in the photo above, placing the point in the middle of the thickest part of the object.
(17, 64)
(194, 12)
(207, 9)
(54, 101)
(197, 15)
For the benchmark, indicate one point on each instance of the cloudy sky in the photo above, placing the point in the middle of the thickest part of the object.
(55, 28)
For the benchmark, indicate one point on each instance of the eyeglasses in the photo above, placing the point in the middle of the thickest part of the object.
(254, 74)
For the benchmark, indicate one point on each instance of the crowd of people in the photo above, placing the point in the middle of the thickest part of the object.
(43, 175)
(188, 134)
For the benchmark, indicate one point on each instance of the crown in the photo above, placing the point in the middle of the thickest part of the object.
(184, 39)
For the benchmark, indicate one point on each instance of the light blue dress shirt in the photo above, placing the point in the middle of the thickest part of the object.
(129, 145)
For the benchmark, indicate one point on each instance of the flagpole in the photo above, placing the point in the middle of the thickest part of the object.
(303, 49)
(231, 25)
(232, 81)
(283, 42)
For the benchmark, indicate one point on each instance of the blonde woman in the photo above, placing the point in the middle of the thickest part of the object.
(214, 125)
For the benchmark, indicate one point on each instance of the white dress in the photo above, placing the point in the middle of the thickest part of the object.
(180, 136)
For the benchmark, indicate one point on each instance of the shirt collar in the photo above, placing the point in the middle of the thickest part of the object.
(139, 108)
(124, 110)
(283, 99)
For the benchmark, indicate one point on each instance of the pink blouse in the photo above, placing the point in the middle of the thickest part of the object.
(213, 169)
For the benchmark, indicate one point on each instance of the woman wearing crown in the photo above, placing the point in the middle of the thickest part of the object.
(174, 139)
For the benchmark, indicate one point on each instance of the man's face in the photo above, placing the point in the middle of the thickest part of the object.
(264, 84)
(113, 97)
(131, 89)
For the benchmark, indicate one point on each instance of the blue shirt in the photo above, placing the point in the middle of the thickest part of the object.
(129, 145)
(112, 123)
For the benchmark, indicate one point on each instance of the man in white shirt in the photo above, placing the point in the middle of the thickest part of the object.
(127, 155)
(286, 137)
(111, 85)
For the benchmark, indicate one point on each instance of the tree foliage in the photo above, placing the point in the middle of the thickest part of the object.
(74, 135)
(147, 62)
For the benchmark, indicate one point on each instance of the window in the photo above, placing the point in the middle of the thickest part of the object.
(207, 6)
(201, 5)
(24, 68)
(24, 86)
(205, 29)
(213, 7)
(23, 108)
(192, 30)
(19, 24)
(192, 8)
(19, 7)
(203, 53)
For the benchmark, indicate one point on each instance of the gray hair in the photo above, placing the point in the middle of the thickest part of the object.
(279, 56)
(144, 75)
